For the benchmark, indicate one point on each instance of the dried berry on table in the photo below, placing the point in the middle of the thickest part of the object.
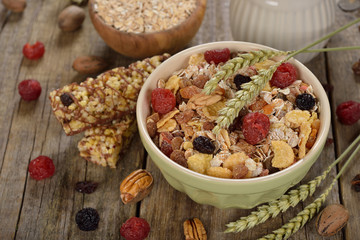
(194, 230)
(135, 229)
(348, 112)
(35, 51)
(86, 187)
(305, 101)
(356, 67)
(356, 183)
(217, 55)
(136, 186)
(15, 5)
(87, 219)
(255, 127)
(240, 79)
(162, 100)
(284, 75)
(29, 89)
(41, 167)
(89, 64)
(71, 18)
(203, 145)
(331, 220)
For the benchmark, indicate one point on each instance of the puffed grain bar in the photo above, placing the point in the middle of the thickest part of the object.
(109, 96)
(102, 145)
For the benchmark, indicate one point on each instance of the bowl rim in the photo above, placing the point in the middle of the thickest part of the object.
(321, 94)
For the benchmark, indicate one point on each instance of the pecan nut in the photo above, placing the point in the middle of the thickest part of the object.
(136, 186)
(194, 230)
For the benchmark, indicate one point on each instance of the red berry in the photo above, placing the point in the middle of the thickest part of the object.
(29, 89)
(34, 51)
(135, 229)
(41, 167)
(217, 55)
(284, 75)
(348, 112)
(162, 100)
(255, 127)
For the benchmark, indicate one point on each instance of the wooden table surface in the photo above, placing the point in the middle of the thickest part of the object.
(46, 209)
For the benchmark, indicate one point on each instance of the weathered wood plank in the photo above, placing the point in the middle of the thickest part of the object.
(346, 87)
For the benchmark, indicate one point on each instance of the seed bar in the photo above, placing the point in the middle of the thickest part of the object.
(109, 96)
(103, 144)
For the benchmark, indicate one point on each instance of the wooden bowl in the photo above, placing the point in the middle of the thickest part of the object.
(141, 45)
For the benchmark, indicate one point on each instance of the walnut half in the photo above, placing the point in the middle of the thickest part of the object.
(194, 230)
(136, 186)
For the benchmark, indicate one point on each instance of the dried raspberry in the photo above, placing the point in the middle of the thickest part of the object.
(217, 55)
(203, 145)
(41, 167)
(86, 187)
(284, 75)
(162, 100)
(255, 127)
(34, 51)
(87, 219)
(29, 89)
(305, 101)
(348, 112)
(135, 229)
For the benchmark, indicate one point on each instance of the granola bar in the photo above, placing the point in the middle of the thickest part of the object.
(109, 96)
(103, 144)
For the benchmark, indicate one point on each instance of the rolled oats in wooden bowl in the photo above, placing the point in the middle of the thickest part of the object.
(145, 28)
(269, 146)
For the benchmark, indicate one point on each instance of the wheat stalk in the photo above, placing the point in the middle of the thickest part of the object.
(272, 209)
(241, 61)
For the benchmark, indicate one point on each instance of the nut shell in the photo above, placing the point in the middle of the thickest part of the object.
(89, 64)
(71, 18)
(136, 186)
(331, 220)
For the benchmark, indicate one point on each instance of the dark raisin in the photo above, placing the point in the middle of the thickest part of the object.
(356, 183)
(240, 79)
(305, 101)
(66, 99)
(87, 219)
(86, 187)
(203, 145)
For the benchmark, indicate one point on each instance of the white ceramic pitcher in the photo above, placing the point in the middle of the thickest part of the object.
(282, 24)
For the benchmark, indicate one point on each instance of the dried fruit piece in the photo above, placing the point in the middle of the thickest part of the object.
(240, 79)
(240, 171)
(166, 118)
(203, 145)
(162, 100)
(217, 55)
(220, 172)
(348, 112)
(71, 18)
(235, 159)
(35, 51)
(135, 229)
(165, 143)
(283, 154)
(136, 186)
(185, 116)
(178, 156)
(29, 89)
(86, 187)
(194, 230)
(199, 162)
(87, 219)
(255, 127)
(200, 80)
(305, 101)
(41, 167)
(356, 183)
(295, 118)
(176, 143)
(284, 75)
(189, 91)
(89, 64)
(331, 220)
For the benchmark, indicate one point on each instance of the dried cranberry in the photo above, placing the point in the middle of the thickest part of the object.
(240, 79)
(162, 100)
(66, 99)
(284, 75)
(34, 51)
(305, 101)
(217, 55)
(87, 219)
(135, 229)
(29, 89)
(86, 187)
(255, 127)
(41, 167)
(203, 145)
(348, 112)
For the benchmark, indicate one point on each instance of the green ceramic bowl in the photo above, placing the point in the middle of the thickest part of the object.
(228, 193)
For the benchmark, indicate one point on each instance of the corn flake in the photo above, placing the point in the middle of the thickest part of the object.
(173, 84)
(199, 162)
(235, 159)
(219, 172)
(283, 154)
(305, 130)
(295, 118)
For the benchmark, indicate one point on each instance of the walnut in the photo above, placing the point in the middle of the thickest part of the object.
(136, 186)
(194, 230)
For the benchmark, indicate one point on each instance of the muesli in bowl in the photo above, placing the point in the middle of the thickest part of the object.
(242, 162)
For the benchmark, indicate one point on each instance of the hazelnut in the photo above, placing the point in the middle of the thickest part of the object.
(89, 64)
(71, 18)
(15, 5)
